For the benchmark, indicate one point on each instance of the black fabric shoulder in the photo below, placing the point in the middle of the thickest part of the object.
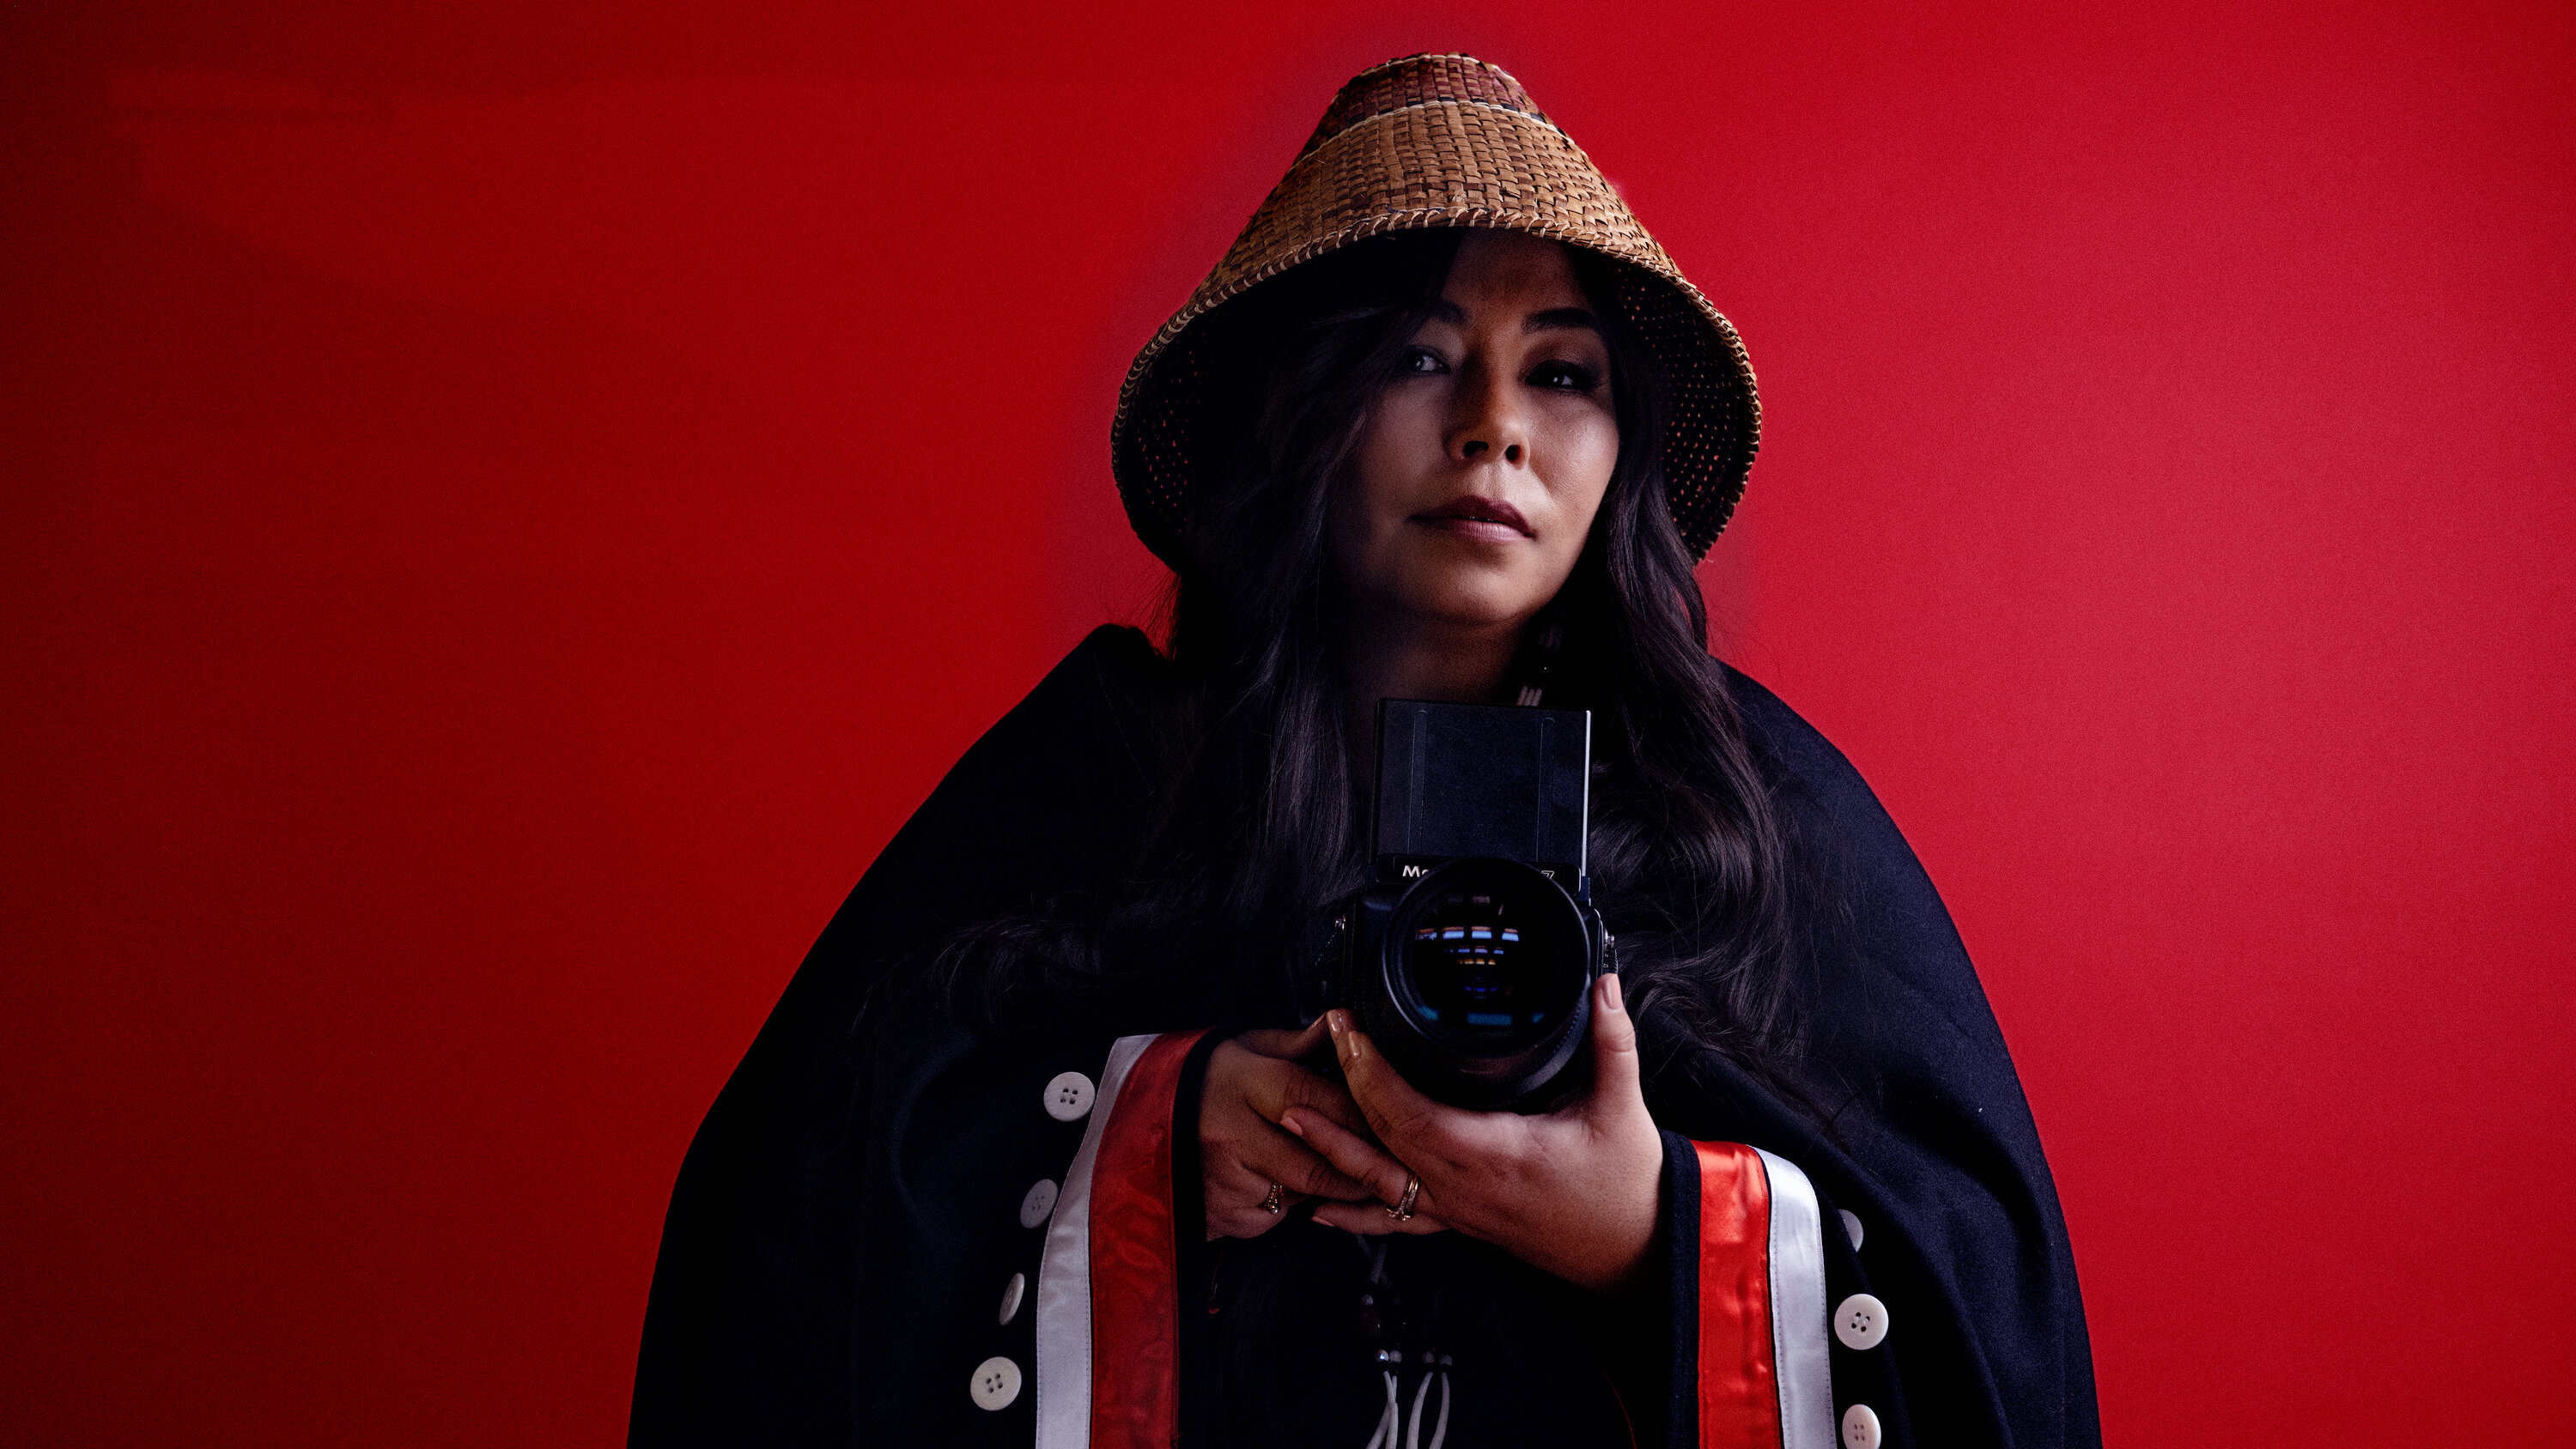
(1034, 810)
(747, 1333)
(1930, 1140)
(1877, 882)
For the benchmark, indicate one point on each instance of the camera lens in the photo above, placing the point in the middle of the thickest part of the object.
(1478, 962)
(1479, 984)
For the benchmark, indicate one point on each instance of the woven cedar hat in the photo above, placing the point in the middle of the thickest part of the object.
(1437, 141)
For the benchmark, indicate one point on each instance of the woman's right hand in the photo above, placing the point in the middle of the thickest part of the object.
(1252, 1081)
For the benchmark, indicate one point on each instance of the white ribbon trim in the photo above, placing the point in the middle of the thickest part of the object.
(1064, 1274)
(1799, 1358)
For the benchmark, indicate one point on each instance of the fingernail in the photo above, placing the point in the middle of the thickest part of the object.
(1290, 1122)
(1335, 1022)
(1351, 1045)
(1610, 991)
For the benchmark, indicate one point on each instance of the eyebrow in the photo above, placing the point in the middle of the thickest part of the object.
(1551, 320)
(1558, 317)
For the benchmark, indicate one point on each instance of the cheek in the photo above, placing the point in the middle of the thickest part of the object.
(1379, 491)
(1346, 527)
(1588, 453)
(1350, 521)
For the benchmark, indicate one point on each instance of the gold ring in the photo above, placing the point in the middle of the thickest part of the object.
(1270, 1204)
(1402, 1212)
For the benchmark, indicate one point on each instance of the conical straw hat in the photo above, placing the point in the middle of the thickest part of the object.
(1431, 141)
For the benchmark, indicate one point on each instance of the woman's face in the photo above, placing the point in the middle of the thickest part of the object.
(1481, 465)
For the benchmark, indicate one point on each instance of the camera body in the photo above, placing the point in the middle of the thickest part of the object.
(1470, 958)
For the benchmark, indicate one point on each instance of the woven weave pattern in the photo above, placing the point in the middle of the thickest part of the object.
(1436, 141)
(1411, 82)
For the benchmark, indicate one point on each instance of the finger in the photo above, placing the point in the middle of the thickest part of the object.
(1376, 1221)
(1380, 1176)
(1282, 1159)
(1234, 1205)
(1615, 1075)
(1290, 1085)
(1288, 1046)
(1315, 1038)
(1259, 1090)
(1397, 1113)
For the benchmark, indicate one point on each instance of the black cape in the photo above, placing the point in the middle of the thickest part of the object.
(827, 1267)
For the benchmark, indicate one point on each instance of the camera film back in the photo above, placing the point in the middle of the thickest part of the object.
(1460, 780)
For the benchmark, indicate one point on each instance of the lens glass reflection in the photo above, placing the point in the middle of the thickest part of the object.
(1479, 963)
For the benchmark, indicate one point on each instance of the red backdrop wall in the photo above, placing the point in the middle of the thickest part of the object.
(508, 507)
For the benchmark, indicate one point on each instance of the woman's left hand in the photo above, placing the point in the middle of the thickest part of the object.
(1573, 1192)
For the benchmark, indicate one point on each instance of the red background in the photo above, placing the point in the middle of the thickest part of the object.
(508, 507)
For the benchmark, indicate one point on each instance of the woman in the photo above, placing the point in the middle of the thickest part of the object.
(1048, 1141)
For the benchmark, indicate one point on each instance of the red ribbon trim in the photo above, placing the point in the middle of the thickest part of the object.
(1739, 1384)
(1135, 1259)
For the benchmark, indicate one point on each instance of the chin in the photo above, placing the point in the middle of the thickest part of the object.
(1479, 607)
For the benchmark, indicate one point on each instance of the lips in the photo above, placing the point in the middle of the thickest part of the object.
(1474, 510)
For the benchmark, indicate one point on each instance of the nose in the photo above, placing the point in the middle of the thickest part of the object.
(1488, 420)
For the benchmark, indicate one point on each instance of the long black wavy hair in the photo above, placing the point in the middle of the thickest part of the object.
(1262, 826)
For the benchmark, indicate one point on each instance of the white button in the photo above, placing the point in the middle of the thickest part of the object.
(1860, 1427)
(1851, 1226)
(1068, 1096)
(1041, 1201)
(997, 1384)
(1861, 1322)
(1011, 1292)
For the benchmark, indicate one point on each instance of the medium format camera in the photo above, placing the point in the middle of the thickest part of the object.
(1470, 959)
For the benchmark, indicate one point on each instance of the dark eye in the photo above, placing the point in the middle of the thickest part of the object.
(1563, 377)
(1420, 362)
